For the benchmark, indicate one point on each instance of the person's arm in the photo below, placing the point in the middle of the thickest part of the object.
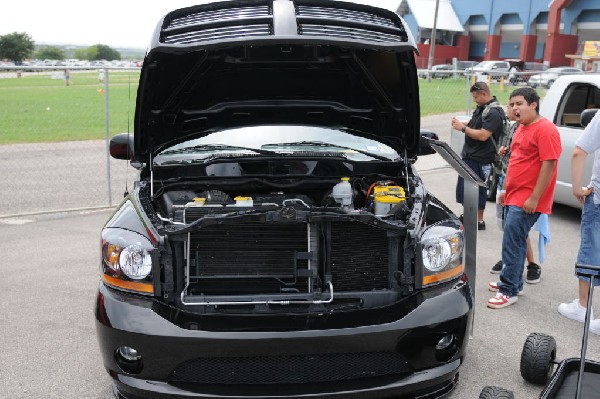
(577, 163)
(540, 186)
(475, 134)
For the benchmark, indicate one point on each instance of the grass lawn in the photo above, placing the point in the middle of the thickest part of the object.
(450, 95)
(37, 108)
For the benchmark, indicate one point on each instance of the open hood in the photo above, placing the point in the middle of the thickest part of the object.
(265, 62)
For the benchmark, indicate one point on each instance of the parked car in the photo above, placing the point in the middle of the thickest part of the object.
(547, 78)
(465, 66)
(494, 69)
(564, 104)
(278, 241)
(441, 71)
(525, 69)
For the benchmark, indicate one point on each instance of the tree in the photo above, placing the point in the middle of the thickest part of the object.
(81, 54)
(16, 46)
(51, 53)
(103, 52)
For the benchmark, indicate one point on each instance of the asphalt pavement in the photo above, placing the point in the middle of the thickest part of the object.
(50, 271)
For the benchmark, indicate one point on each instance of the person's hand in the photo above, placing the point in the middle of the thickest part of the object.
(456, 124)
(530, 205)
(502, 150)
(501, 197)
(581, 193)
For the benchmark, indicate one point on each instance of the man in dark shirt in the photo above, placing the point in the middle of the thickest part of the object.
(481, 134)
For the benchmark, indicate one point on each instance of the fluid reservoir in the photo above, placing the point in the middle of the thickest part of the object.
(342, 192)
(198, 201)
(243, 201)
(386, 197)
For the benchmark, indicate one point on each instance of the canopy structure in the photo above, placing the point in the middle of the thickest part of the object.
(424, 11)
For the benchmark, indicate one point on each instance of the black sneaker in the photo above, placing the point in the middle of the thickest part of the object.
(481, 225)
(534, 272)
(497, 268)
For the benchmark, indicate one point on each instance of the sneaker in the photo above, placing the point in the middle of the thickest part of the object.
(595, 326)
(493, 286)
(501, 301)
(481, 225)
(497, 268)
(574, 311)
(534, 272)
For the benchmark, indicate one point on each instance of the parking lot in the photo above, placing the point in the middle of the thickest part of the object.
(50, 272)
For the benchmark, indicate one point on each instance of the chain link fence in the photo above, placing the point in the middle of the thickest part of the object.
(55, 124)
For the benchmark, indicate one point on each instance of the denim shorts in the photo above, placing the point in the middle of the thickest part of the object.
(589, 249)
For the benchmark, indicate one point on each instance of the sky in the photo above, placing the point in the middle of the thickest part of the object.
(116, 23)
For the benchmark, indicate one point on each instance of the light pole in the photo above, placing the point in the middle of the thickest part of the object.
(432, 40)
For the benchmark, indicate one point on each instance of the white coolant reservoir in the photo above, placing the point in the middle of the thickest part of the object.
(342, 192)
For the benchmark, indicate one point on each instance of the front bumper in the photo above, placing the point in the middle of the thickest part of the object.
(277, 357)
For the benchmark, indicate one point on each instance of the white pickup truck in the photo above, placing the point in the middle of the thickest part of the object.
(563, 104)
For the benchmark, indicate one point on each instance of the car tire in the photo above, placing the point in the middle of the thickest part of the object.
(491, 392)
(537, 358)
(491, 185)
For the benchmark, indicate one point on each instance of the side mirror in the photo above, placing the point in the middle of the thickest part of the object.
(424, 147)
(121, 146)
(587, 115)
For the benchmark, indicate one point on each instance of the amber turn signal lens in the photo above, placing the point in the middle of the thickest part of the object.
(111, 255)
(128, 285)
(445, 275)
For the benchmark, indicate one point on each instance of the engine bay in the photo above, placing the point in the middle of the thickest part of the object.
(386, 199)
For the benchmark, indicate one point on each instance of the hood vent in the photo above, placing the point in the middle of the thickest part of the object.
(219, 24)
(347, 23)
(256, 18)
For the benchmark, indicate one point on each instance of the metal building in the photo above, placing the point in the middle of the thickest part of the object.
(530, 30)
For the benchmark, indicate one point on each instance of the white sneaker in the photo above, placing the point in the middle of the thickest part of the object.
(573, 310)
(595, 326)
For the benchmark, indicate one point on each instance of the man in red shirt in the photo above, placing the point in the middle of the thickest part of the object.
(530, 183)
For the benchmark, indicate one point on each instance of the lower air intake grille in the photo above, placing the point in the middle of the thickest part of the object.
(359, 257)
(290, 369)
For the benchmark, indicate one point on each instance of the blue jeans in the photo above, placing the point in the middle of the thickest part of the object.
(483, 170)
(589, 249)
(517, 224)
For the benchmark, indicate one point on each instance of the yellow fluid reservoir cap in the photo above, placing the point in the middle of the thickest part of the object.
(345, 179)
(243, 198)
(200, 200)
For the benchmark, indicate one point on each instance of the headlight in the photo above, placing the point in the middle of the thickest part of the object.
(135, 261)
(441, 254)
(127, 260)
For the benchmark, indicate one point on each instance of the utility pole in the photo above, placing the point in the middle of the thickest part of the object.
(432, 40)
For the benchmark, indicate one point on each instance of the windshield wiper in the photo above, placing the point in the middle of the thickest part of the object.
(218, 147)
(324, 144)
